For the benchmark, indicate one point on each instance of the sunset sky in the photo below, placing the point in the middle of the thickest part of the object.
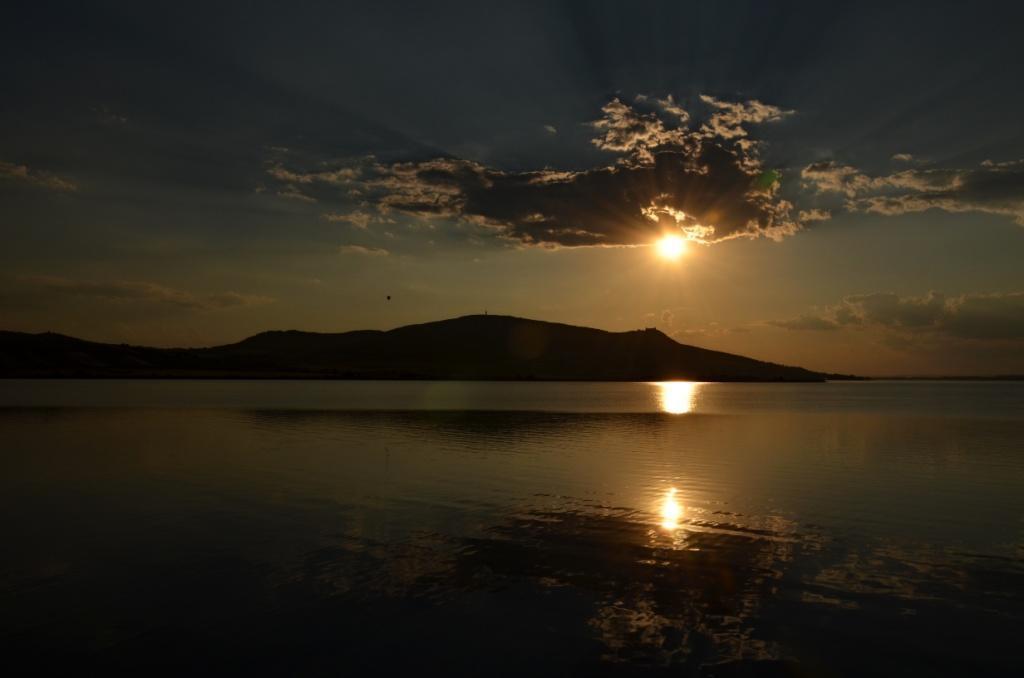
(848, 184)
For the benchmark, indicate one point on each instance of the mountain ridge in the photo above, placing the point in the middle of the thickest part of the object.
(467, 347)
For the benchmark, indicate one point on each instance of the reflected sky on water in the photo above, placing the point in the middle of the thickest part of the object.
(695, 530)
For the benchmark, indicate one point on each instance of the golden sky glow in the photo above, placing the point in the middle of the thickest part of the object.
(727, 210)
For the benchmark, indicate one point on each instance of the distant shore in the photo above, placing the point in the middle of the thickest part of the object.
(475, 348)
(972, 377)
(307, 376)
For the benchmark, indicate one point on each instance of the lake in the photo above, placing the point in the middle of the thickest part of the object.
(485, 528)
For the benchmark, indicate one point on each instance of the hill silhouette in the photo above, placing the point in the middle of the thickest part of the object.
(469, 347)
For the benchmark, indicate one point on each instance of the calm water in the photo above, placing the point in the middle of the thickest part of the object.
(347, 528)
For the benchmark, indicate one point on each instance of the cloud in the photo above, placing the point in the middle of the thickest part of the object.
(550, 129)
(432, 188)
(357, 218)
(132, 291)
(338, 176)
(731, 118)
(991, 187)
(706, 183)
(806, 322)
(636, 135)
(35, 177)
(669, 106)
(807, 216)
(986, 316)
(365, 251)
(292, 193)
(893, 311)
(997, 316)
(903, 157)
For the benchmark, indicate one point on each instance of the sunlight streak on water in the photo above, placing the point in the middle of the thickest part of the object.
(678, 397)
(671, 510)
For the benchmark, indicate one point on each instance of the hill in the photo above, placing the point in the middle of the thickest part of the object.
(470, 347)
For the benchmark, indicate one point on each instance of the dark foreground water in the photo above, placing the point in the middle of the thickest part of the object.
(326, 528)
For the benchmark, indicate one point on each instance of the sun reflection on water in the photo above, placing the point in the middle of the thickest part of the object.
(671, 510)
(677, 397)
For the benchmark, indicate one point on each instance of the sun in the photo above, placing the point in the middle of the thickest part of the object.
(671, 247)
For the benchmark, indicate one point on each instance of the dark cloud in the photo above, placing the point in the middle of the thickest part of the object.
(706, 183)
(991, 187)
(992, 316)
(143, 292)
(891, 310)
(629, 205)
(968, 316)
